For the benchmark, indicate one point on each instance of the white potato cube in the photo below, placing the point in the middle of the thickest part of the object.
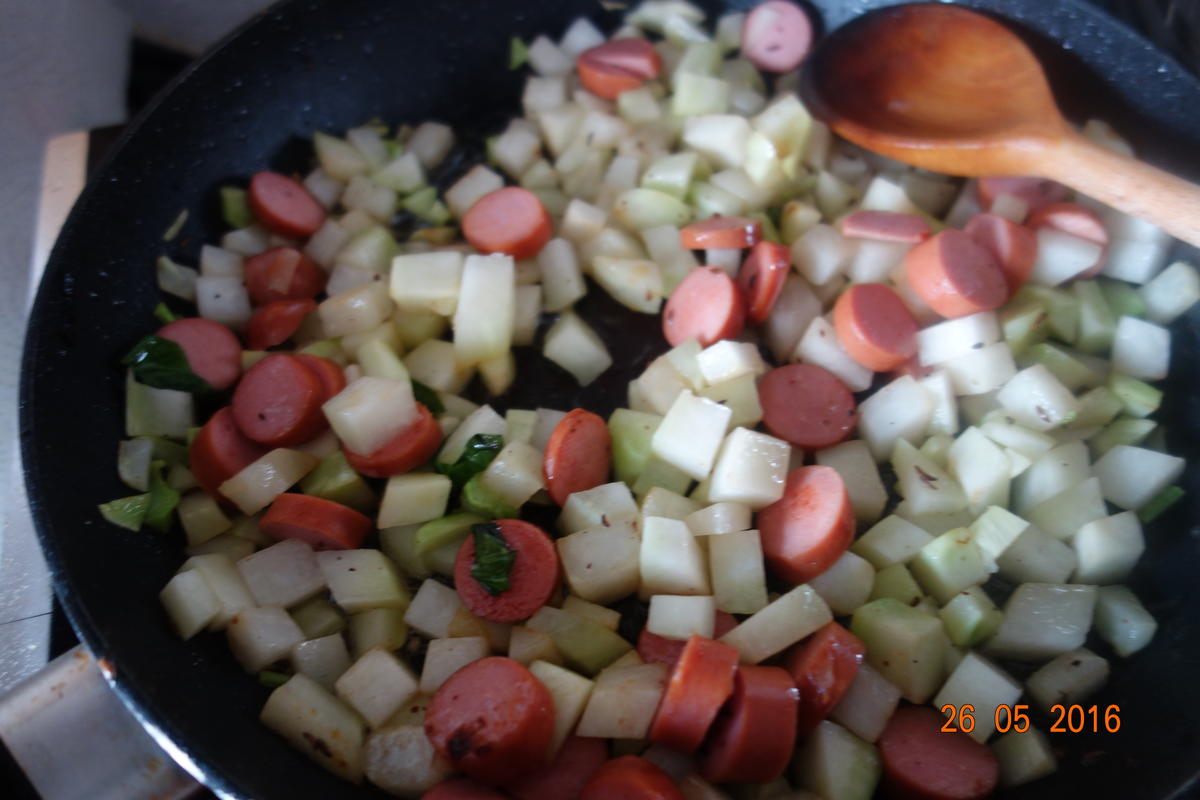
(855, 463)
(727, 359)
(820, 346)
(259, 637)
(787, 620)
(414, 498)
(623, 702)
(444, 657)
(189, 603)
(981, 683)
(369, 412)
(1141, 349)
(1122, 620)
(1130, 477)
(573, 345)
(376, 685)
(432, 609)
(1037, 399)
(601, 564)
(681, 616)
(750, 469)
(1108, 549)
(317, 724)
(427, 281)
(899, 411)
(691, 433)
(283, 574)
(846, 585)
(599, 506)
(483, 320)
(670, 559)
(515, 474)
(570, 692)
(718, 519)
(957, 337)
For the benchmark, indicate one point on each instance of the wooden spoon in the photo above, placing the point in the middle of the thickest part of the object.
(947, 89)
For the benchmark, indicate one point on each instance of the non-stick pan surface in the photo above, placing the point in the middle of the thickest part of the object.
(331, 64)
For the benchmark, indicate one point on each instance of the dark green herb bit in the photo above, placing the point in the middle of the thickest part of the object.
(493, 558)
(235, 208)
(163, 500)
(476, 455)
(164, 314)
(162, 364)
(272, 679)
(126, 512)
(1159, 504)
(428, 398)
(518, 53)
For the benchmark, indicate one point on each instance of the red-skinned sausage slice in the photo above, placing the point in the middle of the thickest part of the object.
(461, 789)
(1036, 192)
(955, 276)
(608, 69)
(875, 327)
(707, 306)
(284, 205)
(533, 578)
(331, 375)
(212, 351)
(1013, 246)
(275, 323)
(807, 405)
(220, 451)
(721, 233)
(278, 402)
(823, 667)
(282, 273)
(810, 527)
(630, 778)
(756, 733)
(492, 719)
(322, 523)
(700, 683)
(1075, 220)
(655, 649)
(761, 279)
(510, 220)
(885, 226)
(578, 456)
(407, 450)
(776, 36)
(575, 764)
(921, 762)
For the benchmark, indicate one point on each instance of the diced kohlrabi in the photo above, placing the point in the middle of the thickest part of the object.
(979, 682)
(681, 616)
(483, 319)
(1058, 469)
(891, 541)
(691, 434)
(1170, 293)
(427, 281)
(1065, 513)
(1043, 620)
(970, 617)
(906, 646)
(1122, 620)
(981, 469)
(1135, 261)
(1061, 256)
(855, 463)
(867, 704)
(1107, 549)
(1035, 557)
(981, 371)
(820, 346)
(785, 621)
(845, 586)
(1141, 349)
(944, 418)
(750, 468)
(1130, 477)
(1070, 678)
(738, 578)
(719, 137)
(898, 412)
(833, 762)
(794, 311)
(926, 487)
(600, 564)
(600, 505)
(821, 253)
(949, 564)
(1023, 756)
(671, 560)
(573, 345)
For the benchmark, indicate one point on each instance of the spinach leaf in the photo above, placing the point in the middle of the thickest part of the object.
(162, 500)
(428, 398)
(493, 558)
(162, 364)
(478, 453)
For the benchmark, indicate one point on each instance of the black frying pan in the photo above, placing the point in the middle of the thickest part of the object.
(331, 64)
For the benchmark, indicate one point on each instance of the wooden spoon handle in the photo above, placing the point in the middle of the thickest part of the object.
(1128, 185)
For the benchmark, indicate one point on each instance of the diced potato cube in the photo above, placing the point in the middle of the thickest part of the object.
(670, 560)
(413, 498)
(317, 724)
(259, 637)
(284, 574)
(444, 657)
(602, 564)
(376, 685)
(432, 609)
(623, 702)
(750, 469)
(678, 617)
(362, 579)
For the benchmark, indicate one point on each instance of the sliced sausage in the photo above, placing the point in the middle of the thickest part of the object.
(578, 455)
(1074, 220)
(885, 226)
(756, 733)
(922, 762)
(810, 527)
(1036, 192)
(278, 402)
(322, 523)
(1013, 246)
(721, 233)
(955, 276)
(284, 206)
(532, 579)
(331, 375)
(608, 69)
(700, 683)
(776, 36)
(823, 667)
(761, 279)
(461, 789)
(276, 322)
(875, 326)
(655, 649)
(707, 306)
(630, 778)
(212, 351)
(565, 777)
(407, 450)
(807, 405)
(492, 719)
(282, 273)
(511, 220)
(220, 451)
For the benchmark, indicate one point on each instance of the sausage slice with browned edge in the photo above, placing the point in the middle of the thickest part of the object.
(776, 36)
(532, 578)
(923, 762)
(721, 233)
(278, 402)
(755, 735)
(875, 326)
(807, 405)
(955, 276)
(761, 279)
(282, 273)
(578, 455)
(220, 451)
(617, 66)
(511, 220)
(493, 720)
(276, 322)
(700, 683)
(630, 778)
(823, 667)
(322, 523)
(810, 527)
(211, 349)
(284, 206)
(407, 450)
(1013, 246)
(706, 306)
(885, 226)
